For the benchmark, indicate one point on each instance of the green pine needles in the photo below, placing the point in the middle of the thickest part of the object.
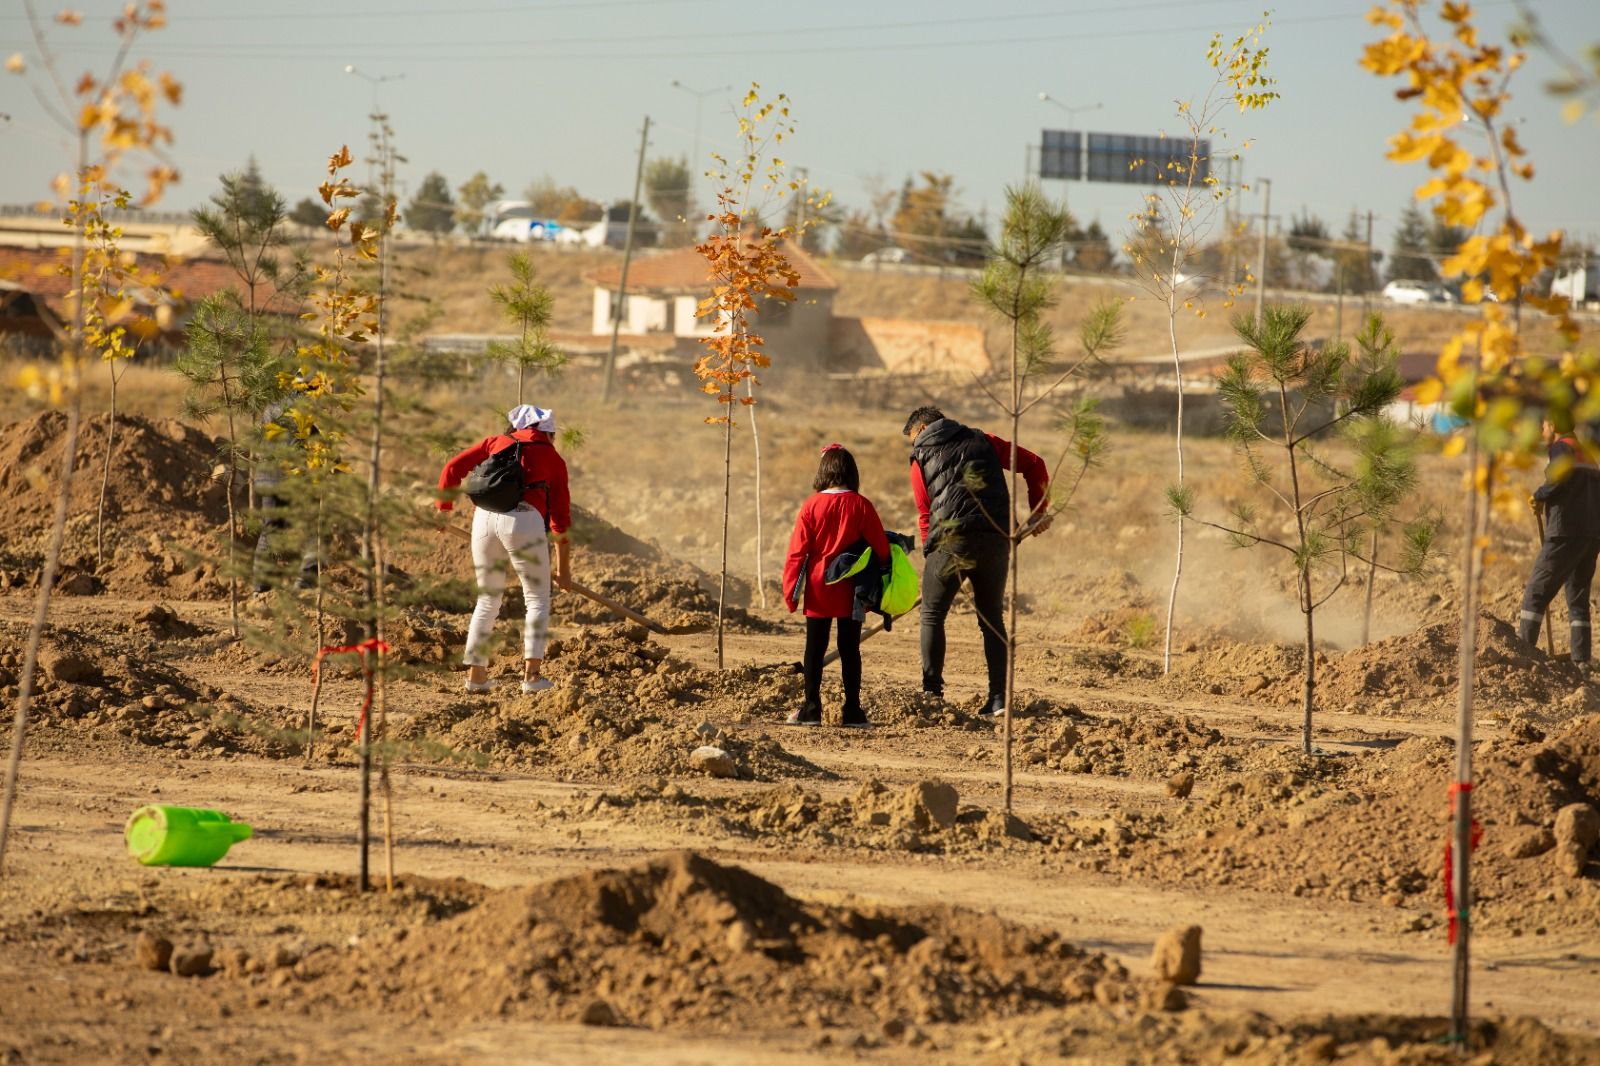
(1285, 397)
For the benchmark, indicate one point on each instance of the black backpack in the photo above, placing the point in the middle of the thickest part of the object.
(497, 484)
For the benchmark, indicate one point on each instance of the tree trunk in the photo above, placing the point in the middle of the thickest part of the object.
(727, 490)
(1177, 567)
(1372, 579)
(41, 615)
(105, 474)
(233, 522)
(755, 437)
(1460, 872)
(1311, 660)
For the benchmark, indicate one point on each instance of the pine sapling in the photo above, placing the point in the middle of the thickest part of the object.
(1283, 397)
(528, 306)
(1015, 285)
(232, 373)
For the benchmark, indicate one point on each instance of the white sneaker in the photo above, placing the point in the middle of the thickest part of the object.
(538, 684)
(477, 687)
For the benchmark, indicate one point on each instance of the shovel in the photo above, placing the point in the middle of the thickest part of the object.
(871, 631)
(587, 593)
(1549, 640)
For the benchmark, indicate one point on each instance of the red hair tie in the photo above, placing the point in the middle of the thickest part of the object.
(832, 448)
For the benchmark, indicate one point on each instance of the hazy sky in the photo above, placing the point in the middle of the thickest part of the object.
(881, 88)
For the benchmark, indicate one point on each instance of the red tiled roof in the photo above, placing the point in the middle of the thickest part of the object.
(684, 271)
(38, 270)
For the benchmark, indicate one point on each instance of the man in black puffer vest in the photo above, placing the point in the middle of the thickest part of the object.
(959, 479)
(1570, 498)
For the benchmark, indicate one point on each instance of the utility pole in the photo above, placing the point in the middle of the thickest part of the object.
(800, 208)
(1261, 266)
(1371, 275)
(627, 255)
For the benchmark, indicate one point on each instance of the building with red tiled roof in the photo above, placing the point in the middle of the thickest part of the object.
(38, 274)
(664, 293)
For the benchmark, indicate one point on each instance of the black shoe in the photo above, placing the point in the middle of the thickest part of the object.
(994, 707)
(854, 718)
(807, 715)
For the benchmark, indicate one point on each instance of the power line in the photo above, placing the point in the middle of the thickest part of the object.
(386, 14)
(342, 47)
(297, 53)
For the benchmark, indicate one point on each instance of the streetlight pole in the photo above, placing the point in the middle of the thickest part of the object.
(374, 80)
(699, 100)
(1261, 267)
(1071, 110)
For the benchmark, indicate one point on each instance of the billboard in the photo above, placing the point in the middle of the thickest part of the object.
(1134, 160)
(1061, 155)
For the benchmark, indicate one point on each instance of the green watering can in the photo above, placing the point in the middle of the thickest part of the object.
(159, 835)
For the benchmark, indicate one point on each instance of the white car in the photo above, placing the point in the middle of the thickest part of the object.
(1401, 291)
(887, 255)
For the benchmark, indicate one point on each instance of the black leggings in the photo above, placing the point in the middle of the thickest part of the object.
(849, 659)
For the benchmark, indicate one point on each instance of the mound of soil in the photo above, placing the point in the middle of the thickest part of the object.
(161, 498)
(590, 726)
(683, 941)
(1136, 744)
(1379, 835)
(924, 817)
(1080, 1034)
(1416, 674)
(99, 686)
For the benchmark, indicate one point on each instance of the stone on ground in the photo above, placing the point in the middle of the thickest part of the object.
(1176, 958)
(714, 761)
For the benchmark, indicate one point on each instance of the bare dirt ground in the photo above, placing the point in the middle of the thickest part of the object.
(572, 888)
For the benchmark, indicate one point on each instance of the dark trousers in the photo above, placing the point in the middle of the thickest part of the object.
(1568, 561)
(982, 560)
(272, 526)
(849, 661)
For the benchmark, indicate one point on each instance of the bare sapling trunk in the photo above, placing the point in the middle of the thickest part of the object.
(105, 474)
(41, 615)
(1461, 791)
(755, 438)
(233, 521)
(1307, 605)
(1014, 543)
(1177, 566)
(727, 490)
(1372, 579)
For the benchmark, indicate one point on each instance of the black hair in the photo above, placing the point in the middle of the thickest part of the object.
(837, 470)
(922, 416)
(1561, 420)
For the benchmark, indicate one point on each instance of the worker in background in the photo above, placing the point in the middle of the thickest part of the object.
(1569, 501)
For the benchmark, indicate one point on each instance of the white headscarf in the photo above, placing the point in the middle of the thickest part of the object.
(525, 415)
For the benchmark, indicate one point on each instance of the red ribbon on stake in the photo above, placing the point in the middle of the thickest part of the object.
(1456, 788)
(365, 646)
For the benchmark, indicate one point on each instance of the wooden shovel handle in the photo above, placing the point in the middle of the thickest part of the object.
(587, 593)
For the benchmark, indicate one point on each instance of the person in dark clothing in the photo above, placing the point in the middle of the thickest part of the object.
(830, 521)
(960, 482)
(1570, 500)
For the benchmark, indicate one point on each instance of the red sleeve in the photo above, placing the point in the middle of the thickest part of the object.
(458, 468)
(919, 495)
(1030, 466)
(558, 497)
(872, 529)
(799, 543)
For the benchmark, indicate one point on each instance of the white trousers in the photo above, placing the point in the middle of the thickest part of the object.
(519, 537)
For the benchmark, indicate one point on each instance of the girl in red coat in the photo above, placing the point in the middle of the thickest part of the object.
(832, 520)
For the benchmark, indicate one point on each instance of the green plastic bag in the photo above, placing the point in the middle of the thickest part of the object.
(161, 835)
(900, 587)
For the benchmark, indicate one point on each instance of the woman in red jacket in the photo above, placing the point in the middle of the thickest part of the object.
(832, 520)
(523, 536)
